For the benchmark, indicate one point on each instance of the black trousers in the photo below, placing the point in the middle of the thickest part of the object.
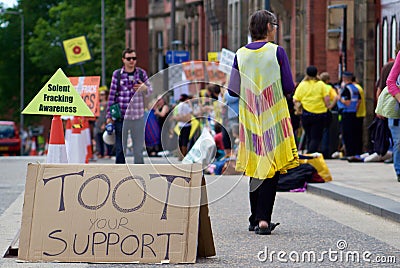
(184, 136)
(352, 133)
(313, 125)
(262, 200)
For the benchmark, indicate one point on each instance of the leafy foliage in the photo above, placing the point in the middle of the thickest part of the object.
(47, 24)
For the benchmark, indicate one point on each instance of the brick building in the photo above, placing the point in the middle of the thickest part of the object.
(137, 29)
(311, 31)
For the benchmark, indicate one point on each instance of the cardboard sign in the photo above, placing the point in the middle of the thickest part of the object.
(88, 88)
(226, 62)
(214, 74)
(76, 50)
(213, 56)
(58, 97)
(193, 70)
(112, 213)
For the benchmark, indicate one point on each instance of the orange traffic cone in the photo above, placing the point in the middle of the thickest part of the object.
(33, 147)
(77, 146)
(46, 147)
(88, 140)
(57, 152)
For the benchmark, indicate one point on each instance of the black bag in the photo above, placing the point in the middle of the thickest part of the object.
(380, 136)
(295, 177)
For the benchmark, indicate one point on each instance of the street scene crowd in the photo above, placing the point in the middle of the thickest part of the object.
(262, 123)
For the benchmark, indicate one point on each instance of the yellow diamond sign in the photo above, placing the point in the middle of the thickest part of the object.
(76, 50)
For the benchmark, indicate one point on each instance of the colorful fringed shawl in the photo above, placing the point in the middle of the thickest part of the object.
(267, 143)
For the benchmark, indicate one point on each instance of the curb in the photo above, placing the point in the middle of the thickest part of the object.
(40, 158)
(10, 223)
(371, 203)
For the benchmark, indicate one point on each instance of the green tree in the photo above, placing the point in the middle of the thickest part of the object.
(10, 31)
(47, 24)
(70, 19)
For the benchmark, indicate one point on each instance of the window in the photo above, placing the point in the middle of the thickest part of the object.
(196, 38)
(378, 48)
(189, 35)
(160, 46)
(385, 41)
(6, 131)
(394, 37)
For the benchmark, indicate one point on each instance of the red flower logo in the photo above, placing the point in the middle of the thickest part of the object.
(76, 49)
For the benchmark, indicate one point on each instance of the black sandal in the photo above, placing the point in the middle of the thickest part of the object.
(265, 230)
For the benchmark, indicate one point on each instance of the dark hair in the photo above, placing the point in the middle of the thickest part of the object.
(127, 51)
(217, 127)
(183, 97)
(258, 24)
(214, 88)
(312, 71)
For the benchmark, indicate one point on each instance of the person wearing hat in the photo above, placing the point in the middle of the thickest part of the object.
(313, 95)
(349, 102)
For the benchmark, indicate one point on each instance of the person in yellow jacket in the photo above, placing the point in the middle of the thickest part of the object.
(313, 95)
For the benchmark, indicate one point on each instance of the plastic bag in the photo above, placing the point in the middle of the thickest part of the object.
(203, 150)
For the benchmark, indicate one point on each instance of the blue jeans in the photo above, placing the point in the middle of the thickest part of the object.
(121, 136)
(394, 126)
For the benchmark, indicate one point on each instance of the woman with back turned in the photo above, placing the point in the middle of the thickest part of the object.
(261, 77)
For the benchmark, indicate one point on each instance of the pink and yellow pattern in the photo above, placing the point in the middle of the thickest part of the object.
(267, 143)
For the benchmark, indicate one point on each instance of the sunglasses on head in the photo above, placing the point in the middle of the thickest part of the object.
(130, 58)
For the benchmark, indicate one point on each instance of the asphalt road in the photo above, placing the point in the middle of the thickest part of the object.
(314, 231)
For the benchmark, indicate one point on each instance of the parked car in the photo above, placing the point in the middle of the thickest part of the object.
(10, 142)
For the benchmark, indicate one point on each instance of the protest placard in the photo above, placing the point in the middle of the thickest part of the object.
(58, 97)
(88, 88)
(115, 214)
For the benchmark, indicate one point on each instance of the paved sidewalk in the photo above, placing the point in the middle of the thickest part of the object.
(369, 186)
